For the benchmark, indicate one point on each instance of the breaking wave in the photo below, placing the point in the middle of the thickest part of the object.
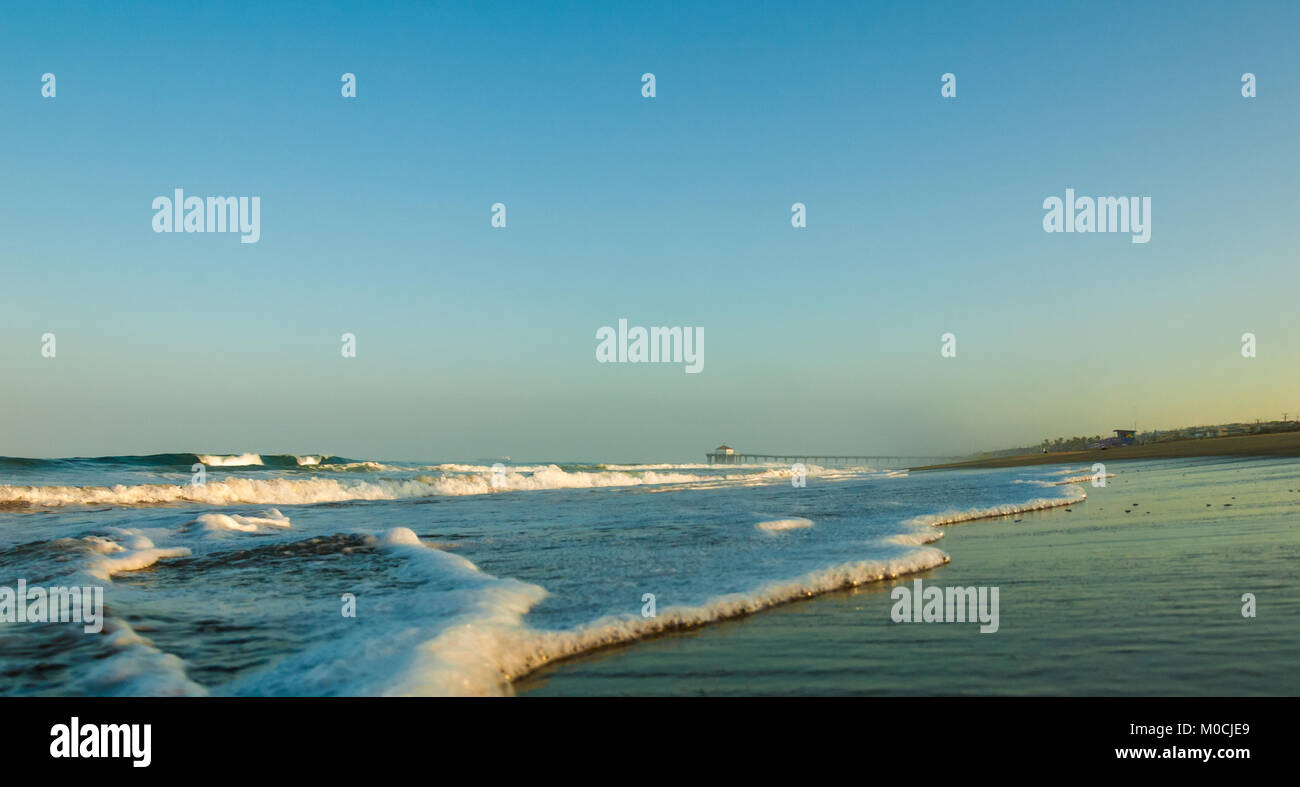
(302, 491)
(482, 645)
(1075, 495)
(176, 461)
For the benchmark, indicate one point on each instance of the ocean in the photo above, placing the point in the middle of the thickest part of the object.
(318, 575)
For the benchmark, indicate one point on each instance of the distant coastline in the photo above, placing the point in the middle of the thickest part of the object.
(1283, 444)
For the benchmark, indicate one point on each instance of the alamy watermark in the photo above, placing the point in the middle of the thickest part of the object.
(1100, 214)
(934, 604)
(651, 345)
(83, 605)
(94, 741)
(180, 213)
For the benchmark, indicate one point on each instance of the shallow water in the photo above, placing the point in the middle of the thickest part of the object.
(1136, 592)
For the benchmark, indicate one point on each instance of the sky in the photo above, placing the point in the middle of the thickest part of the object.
(924, 217)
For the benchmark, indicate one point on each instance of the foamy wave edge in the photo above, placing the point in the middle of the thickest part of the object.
(486, 659)
(1071, 496)
(516, 652)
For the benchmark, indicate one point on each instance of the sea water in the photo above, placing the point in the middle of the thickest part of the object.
(317, 575)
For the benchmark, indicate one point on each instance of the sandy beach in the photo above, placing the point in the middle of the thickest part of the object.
(1287, 444)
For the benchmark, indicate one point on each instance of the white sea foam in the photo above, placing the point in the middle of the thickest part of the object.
(1074, 479)
(1069, 470)
(138, 553)
(1078, 479)
(135, 667)
(1074, 495)
(238, 522)
(103, 546)
(236, 460)
(399, 536)
(229, 491)
(450, 594)
(792, 523)
(482, 657)
(926, 535)
(351, 467)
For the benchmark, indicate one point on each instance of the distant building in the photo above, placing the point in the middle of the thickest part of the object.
(722, 455)
(1122, 437)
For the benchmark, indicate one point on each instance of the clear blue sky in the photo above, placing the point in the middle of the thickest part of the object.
(924, 216)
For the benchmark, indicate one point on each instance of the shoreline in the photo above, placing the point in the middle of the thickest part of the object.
(1264, 445)
(680, 621)
(1137, 592)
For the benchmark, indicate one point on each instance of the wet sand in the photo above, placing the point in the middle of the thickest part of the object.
(1136, 591)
